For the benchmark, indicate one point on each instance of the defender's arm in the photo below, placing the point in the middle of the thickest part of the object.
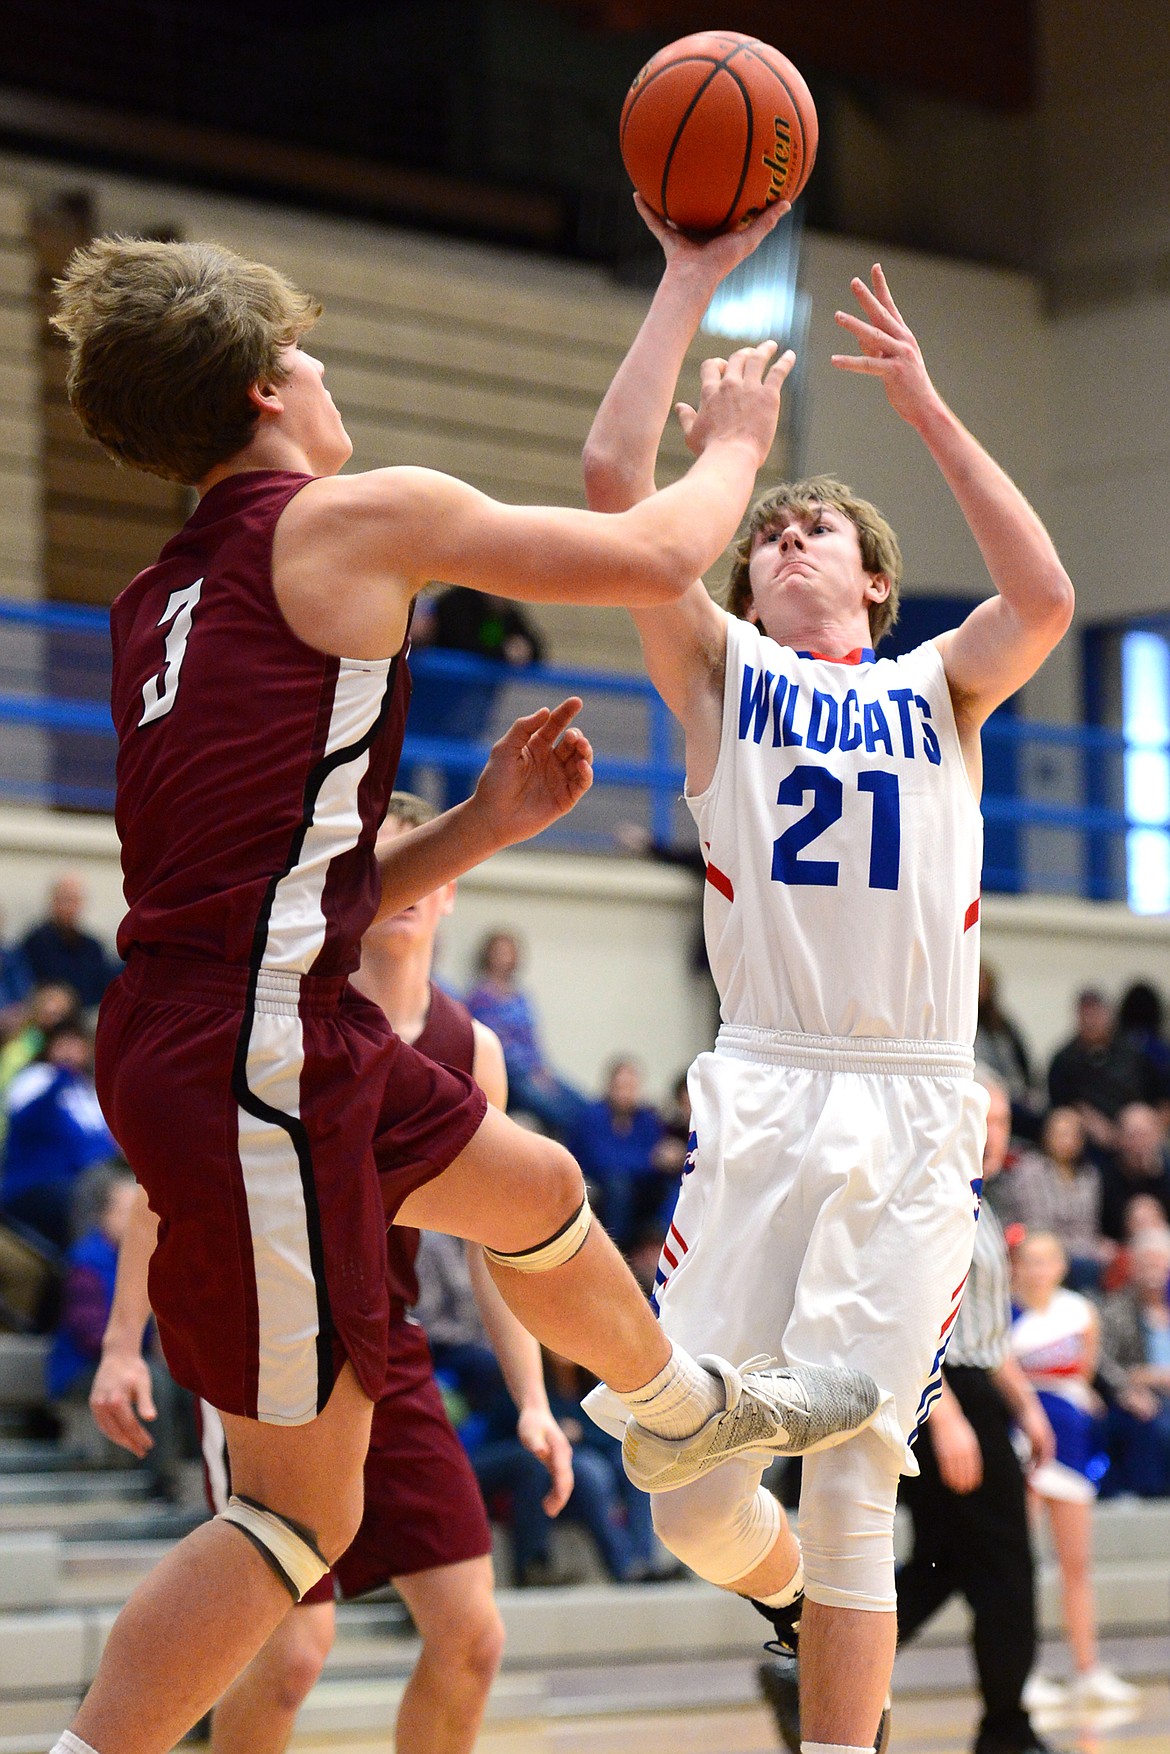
(683, 641)
(351, 551)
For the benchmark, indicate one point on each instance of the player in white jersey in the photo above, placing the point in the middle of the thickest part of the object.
(828, 1213)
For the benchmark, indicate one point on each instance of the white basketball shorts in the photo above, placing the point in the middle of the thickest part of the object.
(827, 1213)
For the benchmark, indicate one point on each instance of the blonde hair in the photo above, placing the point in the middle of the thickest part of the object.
(409, 809)
(165, 340)
(879, 546)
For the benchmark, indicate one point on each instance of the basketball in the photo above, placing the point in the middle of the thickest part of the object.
(715, 128)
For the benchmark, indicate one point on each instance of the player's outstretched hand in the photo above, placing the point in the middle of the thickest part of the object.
(711, 258)
(543, 1438)
(739, 398)
(537, 771)
(889, 350)
(121, 1398)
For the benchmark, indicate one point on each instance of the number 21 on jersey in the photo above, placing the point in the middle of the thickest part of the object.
(828, 806)
(159, 692)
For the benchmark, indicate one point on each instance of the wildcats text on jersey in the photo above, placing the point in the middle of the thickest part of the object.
(794, 716)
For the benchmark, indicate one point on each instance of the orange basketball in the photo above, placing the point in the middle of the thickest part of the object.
(715, 128)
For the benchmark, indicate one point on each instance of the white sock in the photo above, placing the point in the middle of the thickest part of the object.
(832, 1748)
(783, 1598)
(71, 1744)
(680, 1399)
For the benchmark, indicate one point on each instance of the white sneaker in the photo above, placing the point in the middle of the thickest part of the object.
(1042, 1694)
(791, 1411)
(1102, 1687)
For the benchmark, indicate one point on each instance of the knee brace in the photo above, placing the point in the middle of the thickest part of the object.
(723, 1524)
(847, 1502)
(559, 1248)
(284, 1545)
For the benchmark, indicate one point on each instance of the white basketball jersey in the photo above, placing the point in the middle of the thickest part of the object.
(843, 846)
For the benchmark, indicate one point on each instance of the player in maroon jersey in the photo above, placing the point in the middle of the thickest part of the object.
(423, 1527)
(259, 694)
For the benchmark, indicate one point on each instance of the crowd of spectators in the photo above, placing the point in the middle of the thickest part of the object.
(1089, 1173)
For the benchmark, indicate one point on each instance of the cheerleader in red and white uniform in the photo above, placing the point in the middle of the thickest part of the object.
(1054, 1337)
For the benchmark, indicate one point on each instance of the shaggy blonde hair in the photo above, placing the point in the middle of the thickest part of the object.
(165, 340)
(879, 546)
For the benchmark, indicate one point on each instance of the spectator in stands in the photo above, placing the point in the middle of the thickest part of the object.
(462, 620)
(1055, 1338)
(105, 1198)
(497, 1000)
(1140, 1164)
(60, 950)
(1143, 1215)
(612, 1511)
(46, 1007)
(448, 1310)
(15, 985)
(1058, 1188)
(1098, 1072)
(1000, 1047)
(55, 1132)
(617, 1141)
(1141, 1018)
(1135, 1368)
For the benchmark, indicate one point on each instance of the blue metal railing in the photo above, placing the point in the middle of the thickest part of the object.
(58, 748)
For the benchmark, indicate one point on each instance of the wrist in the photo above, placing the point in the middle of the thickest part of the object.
(123, 1344)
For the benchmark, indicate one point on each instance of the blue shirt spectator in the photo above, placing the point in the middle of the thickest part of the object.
(55, 1131)
(617, 1140)
(498, 1002)
(88, 1293)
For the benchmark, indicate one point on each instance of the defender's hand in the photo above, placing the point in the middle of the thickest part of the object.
(537, 771)
(121, 1398)
(739, 400)
(888, 348)
(543, 1438)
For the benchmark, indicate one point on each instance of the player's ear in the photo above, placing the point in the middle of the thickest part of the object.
(877, 587)
(447, 901)
(265, 397)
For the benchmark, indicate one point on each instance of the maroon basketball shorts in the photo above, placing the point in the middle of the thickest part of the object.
(249, 1106)
(423, 1506)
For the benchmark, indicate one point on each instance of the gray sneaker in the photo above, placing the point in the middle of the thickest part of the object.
(791, 1411)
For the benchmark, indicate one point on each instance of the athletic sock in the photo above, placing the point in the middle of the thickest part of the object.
(784, 1598)
(679, 1400)
(71, 1744)
(832, 1748)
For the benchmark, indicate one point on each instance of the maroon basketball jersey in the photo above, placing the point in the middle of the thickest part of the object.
(449, 1037)
(253, 771)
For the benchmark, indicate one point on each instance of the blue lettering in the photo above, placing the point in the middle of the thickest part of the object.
(877, 729)
(850, 723)
(822, 722)
(753, 702)
(929, 734)
(778, 699)
(791, 737)
(903, 697)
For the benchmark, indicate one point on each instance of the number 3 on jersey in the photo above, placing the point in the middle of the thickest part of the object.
(159, 693)
(828, 805)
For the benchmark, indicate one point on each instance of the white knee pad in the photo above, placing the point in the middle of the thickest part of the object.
(723, 1524)
(287, 1547)
(847, 1503)
(559, 1248)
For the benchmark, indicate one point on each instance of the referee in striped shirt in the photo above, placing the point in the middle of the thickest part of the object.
(968, 1503)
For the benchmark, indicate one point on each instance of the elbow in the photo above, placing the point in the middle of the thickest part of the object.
(610, 485)
(1060, 600)
(664, 570)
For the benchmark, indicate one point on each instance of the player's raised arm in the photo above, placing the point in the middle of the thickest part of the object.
(351, 551)
(1003, 641)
